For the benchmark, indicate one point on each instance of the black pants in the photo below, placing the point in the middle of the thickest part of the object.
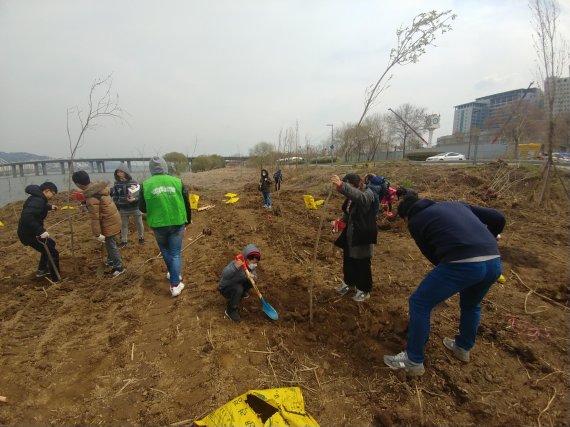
(235, 293)
(44, 261)
(277, 185)
(357, 272)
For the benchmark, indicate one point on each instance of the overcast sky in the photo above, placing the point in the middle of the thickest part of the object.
(229, 74)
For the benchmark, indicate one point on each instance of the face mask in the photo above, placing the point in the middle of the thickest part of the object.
(252, 266)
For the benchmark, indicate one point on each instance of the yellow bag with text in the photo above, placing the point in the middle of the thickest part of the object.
(193, 199)
(260, 408)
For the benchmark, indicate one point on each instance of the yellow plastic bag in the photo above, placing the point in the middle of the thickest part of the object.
(230, 195)
(1, 224)
(260, 408)
(319, 202)
(193, 199)
(309, 201)
(66, 207)
(232, 200)
(501, 279)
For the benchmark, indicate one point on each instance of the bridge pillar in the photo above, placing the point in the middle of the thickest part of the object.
(99, 166)
(14, 173)
(44, 168)
(92, 166)
(62, 166)
(129, 165)
(103, 165)
(21, 170)
(36, 169)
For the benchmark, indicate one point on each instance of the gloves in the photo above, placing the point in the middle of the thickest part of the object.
(338, 225)
(54, 208)
(100, 238)
(44, 235)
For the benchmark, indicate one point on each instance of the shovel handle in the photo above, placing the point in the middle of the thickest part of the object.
(248, 274)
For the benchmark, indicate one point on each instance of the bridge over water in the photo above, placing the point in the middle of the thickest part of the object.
(95, 164)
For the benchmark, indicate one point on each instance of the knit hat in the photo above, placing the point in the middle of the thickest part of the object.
(352, 178)
(81, 177)
(251, 251)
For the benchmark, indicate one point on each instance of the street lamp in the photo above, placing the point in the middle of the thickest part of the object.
(332, 145)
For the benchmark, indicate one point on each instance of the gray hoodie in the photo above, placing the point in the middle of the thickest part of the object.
(232, 276)
(157, 165)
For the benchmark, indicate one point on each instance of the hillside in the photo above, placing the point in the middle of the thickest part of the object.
(93, 350)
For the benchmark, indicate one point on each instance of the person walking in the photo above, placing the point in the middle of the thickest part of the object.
(358, 235)
(31, 230)
(165, 201)
(125, 194)
(461, 241)
(278, 177)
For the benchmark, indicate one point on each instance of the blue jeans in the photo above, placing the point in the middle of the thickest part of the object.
(472, 280)
(169, 241)
(113, 254)
(267, 198)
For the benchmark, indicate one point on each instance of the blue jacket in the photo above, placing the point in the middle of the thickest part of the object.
(452, 231)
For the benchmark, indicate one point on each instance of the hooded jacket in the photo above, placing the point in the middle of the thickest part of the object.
(163, 197)
(105, 218)
(120, 190)
(454, 231)
(265, 182)
(361, 232)
(34, 211)
(232, 276)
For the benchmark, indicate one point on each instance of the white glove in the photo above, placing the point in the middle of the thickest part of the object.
(44, 235)
(100, 238)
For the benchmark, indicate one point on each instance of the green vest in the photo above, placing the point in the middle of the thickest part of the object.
(164, 201)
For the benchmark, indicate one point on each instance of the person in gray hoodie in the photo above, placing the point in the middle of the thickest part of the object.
(234, 284)
(125, 194)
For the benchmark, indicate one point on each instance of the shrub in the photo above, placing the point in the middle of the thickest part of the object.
(206, 163)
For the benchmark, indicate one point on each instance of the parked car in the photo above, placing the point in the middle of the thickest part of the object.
(450, 157)
(561, 157)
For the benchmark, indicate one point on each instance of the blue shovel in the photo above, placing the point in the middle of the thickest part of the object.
(267, 309)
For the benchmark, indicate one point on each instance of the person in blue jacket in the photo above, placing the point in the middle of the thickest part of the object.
(461, 241)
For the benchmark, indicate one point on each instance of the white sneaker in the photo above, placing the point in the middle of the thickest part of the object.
(168, 276)
(176, 290)
(361, 296)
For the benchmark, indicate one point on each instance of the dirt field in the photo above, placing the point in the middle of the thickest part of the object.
(98, 351)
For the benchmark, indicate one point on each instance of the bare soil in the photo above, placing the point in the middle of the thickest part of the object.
(93, 350)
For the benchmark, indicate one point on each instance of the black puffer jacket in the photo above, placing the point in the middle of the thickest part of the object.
(34, 212)
(120, 190)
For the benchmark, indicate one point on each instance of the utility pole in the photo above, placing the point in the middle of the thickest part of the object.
(332, 142)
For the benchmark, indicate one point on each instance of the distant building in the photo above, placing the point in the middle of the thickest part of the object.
(561, 93)
(476, 115)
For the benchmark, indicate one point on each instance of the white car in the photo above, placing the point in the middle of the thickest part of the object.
(450, 157)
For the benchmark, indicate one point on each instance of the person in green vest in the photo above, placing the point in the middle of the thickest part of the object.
(165, 201)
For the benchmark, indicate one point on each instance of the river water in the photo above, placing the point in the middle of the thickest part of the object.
(12, 189)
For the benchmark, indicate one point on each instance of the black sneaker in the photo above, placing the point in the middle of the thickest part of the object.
(42, 273)
(121, 245)
(232, 315)
(141, 241)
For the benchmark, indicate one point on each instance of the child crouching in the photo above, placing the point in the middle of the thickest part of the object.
(235, 284)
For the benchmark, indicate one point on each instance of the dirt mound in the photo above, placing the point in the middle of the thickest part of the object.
(94, 350)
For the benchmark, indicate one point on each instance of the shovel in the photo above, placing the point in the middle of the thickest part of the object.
(267, 309)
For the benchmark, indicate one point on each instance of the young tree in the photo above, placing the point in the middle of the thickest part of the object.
(552, 55)
(412, 42)
(100, 105)
(262, 153)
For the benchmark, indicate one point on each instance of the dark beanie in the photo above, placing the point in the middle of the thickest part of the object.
(49, 186)
(352, 178)
(81, 177)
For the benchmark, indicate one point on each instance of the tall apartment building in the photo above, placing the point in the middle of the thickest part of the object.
(561, 93)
